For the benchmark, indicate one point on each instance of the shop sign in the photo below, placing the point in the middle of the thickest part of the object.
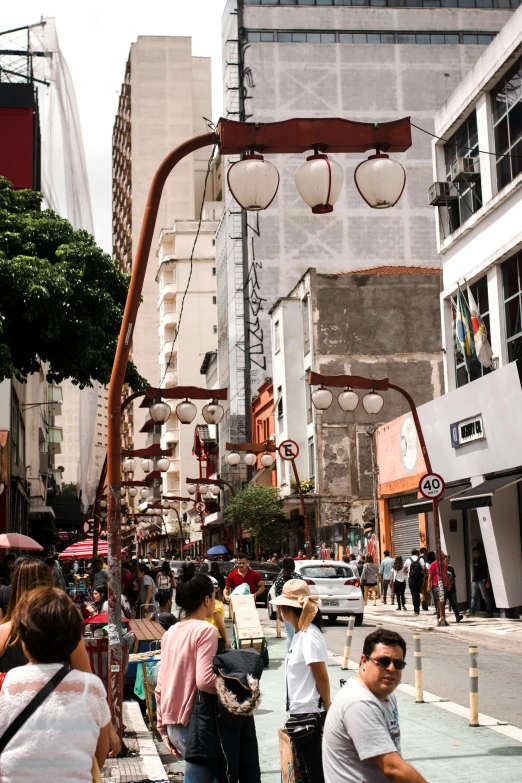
(466, 431)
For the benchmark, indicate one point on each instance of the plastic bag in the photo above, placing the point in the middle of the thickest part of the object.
(243, 589)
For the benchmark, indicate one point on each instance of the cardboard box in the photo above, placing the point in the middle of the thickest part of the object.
(246, 620)
(289, 772)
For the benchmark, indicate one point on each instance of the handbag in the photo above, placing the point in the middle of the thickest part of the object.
(31, 708)
(302, 725)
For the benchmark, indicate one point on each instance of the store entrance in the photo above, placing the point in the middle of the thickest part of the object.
(473, 538)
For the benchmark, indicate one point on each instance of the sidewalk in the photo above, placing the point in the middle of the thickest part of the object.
(145, 765)
(508, 633)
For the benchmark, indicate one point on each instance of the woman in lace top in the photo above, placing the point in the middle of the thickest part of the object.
(58, 742)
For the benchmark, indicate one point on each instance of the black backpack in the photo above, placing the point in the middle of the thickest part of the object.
(415, 573)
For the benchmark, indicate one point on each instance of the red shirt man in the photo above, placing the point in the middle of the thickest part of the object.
(244, 575)
(301, 555)
(433, 571)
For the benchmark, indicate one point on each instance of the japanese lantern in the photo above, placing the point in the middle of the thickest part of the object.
(319, 182)
(380, 181)
(253, 182)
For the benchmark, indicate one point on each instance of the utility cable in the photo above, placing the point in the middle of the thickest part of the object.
(463, 146)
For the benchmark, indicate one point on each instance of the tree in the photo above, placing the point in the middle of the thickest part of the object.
(258, 509)
(61, 296)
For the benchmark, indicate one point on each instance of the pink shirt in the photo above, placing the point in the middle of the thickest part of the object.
(187, 660)
(434, 571)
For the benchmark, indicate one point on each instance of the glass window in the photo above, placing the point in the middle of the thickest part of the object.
(451, 38)
(279, 402)
(421, 38)
(438, 38)
(324, 2)
(267, 37)
(284, 37)
(512, 290)
(387, 38)
(463, 144)
(277, 337)
(346, 37)
(306, 323)
(288, 2)
(313, 37)
(373, 38)
(484, 39)
(479, 291)
(406, 39)
(327, 37)
(359, 38)
(469, 38)
(308, 397)
(507, 118)
(254, 37)
(311, 457)
(327, 572)
(299, 37)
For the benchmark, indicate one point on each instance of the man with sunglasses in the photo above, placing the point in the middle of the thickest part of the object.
(361, 742)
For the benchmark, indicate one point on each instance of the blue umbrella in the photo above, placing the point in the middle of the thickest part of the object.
(220, 549)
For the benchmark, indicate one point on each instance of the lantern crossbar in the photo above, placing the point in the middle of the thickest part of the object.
(354, 381)
(192, 392)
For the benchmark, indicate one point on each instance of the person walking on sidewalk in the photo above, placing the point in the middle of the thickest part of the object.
(480, 582)
(398, 581)
(306, 675)
(425, 593)
(433, 583)
(362, 739)
(288, 572)
(385, 570)
(414, 567)
(369, 577)
(451, 592)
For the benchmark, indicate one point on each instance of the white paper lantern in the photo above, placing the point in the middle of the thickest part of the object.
(129, 466)
(380, 181)
(253, 182)
(160, 412)
(348, 400)
(144, 493)
(191, 489)
(233, 459)
(267, 460)
(147, 465)
(215, 489)
(212, 412)
(186, 411)
(372, 402)
(203, 489)
(133, 492)
(319, 182)
(103, 504)
(250, 459)
(322, 398)
(163, 464)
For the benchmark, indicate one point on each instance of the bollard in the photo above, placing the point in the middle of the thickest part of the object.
(348, 646)
(473, 686)
(278, 625)
(419, 692)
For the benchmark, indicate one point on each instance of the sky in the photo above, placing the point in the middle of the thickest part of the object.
(95, 39)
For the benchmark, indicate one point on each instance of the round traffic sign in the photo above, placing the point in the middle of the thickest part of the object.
(431, 486)
(86, 527)
(288, 449)
(200, 507)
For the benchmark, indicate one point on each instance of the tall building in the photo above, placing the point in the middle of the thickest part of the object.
(164, 99)
(373, 61)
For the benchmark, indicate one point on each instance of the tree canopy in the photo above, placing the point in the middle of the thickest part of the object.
(258, 509)
(61, 296)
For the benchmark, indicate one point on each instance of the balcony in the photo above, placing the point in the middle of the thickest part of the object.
(171, 379)
(168, 316)
(54, 395)
(170, 438)
(55, 438)
(174, 466)
(168, 291)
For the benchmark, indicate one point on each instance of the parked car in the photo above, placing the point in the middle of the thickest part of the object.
(268, 573)
(337, 584)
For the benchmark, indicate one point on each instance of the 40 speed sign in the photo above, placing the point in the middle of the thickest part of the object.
(431, 486)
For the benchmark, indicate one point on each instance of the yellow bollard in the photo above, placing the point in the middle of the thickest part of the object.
(419, 692)
(348, 647)
(473, 686)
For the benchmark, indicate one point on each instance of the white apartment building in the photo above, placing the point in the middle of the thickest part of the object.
(474, 431)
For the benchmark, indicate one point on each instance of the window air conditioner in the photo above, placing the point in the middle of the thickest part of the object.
(465, 170)
(442, 194)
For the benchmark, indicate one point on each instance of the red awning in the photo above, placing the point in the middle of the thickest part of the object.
(155, 474)
(187, 546)
(149, 424)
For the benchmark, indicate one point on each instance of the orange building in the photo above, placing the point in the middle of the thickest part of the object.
(263, 427)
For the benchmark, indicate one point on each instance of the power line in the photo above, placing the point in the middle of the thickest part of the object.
(463, 146)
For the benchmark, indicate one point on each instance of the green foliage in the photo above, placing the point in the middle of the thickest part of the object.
(307, 485)
(257, 508)
(68, 491)
(61, 296)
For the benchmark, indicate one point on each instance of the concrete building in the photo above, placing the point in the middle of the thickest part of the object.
(366, 61)
(377, 323)
(473, 431)
(164, 98)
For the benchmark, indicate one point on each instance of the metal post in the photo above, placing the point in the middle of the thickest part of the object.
(278, 625)
(348, 646)
(473, 686)
(419, 692)
(308, 544)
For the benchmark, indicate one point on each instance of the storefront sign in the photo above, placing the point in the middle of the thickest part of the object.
(466, 431)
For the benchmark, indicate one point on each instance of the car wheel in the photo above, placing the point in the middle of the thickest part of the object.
(272, 614)
(359, 619)
(332, 618)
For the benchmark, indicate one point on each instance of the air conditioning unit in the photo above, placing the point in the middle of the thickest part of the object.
(465, 170)
(442, 194)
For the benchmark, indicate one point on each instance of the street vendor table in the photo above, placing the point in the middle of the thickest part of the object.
(147, 634)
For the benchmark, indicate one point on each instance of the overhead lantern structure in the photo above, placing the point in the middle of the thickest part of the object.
(250, 459)
(253, 181)
(160, 412)
(147, 465)
(186, 411)
(380, 180)
(213, 412)
(319, 182)
(267, 460)
(372, 402)
(163, 464)
(233, 459)
(129, 465)
(348, 400)
(322, 398)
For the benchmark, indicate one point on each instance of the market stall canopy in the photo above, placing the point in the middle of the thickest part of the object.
(83, 549)
(18, 541)
(101, 618)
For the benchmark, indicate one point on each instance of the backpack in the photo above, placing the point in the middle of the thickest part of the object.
(164, 581)
(416, 574)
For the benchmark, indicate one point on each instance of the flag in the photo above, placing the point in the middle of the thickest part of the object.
(464, 331)
(480, 333)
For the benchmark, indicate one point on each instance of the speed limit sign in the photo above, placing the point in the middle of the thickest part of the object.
(431, 486)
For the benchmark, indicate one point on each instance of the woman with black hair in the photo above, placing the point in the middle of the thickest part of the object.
(188, 650)
(307, 682)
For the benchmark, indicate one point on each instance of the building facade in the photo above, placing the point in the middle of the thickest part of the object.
(472, 431)
(375, 323)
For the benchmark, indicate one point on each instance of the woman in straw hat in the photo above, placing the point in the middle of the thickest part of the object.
(307, 683)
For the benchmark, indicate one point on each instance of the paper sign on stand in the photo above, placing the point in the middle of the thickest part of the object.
(246, 621)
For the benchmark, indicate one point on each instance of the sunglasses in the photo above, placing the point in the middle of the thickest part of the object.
(385, 661)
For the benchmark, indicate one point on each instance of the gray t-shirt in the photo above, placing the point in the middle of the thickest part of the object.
(359, 726)
(147, 581)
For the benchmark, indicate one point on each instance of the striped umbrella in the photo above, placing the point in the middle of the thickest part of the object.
(83, 549)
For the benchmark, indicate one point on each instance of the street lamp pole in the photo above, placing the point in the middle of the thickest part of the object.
(358, 382)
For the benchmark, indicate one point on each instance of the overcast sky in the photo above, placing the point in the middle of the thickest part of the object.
(95, 39)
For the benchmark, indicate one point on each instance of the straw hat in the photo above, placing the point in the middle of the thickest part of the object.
(296, 593)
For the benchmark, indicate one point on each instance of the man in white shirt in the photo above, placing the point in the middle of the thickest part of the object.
(361, 742)
(415, 567)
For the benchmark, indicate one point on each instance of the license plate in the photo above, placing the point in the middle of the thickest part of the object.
(330, 603)
(266, 582)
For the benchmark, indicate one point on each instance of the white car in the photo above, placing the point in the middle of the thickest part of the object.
(338, 586)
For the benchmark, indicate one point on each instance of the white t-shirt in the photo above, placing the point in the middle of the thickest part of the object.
(359, 726)
(307, 647)
(57, 743)
(398, 576)
(411, 560)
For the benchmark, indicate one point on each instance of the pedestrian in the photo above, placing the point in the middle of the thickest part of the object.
(398, 580)
(425, 593)
(451, 592)
(56, 571)
(71, 727)
(146, 590)
(7, 569)
(369, 577)
(164, 579)
(164, 615)
(243, 574)
(301, 555)
(99, 596)
(433, 583)
(68, 572)
(100, 573)
(216, 574)
(218, 618)
(288, 572)
(188, 651)
(360, 564)
(127, 580)
(275, 560)
(307, 684)
(362, 740)
(480, 582)
(385, 570)
(414, 568)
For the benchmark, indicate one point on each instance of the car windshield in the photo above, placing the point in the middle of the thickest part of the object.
(327, 572)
